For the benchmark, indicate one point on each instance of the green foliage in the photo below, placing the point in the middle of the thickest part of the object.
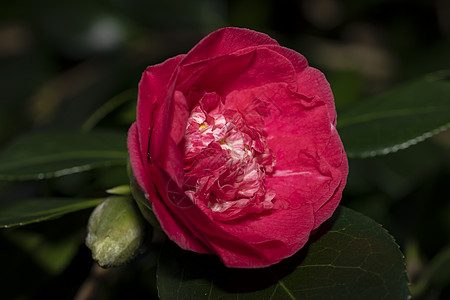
(26, 211)
(397, 119)
(46, 155)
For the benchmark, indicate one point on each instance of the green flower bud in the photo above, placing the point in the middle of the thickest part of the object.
(115, 231)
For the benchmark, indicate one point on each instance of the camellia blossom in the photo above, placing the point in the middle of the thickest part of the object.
(235, 147)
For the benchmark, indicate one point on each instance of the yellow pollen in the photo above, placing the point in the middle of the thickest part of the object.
(203, 126)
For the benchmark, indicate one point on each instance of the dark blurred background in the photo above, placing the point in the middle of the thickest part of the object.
(62, 60)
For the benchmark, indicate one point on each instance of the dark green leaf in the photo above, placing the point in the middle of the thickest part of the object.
(397, 119)
(350, 257)
(45, 155)
(28, 211)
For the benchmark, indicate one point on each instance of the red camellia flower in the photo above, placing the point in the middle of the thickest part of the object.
(235, 146)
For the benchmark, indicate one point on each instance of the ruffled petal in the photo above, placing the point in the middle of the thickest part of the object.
(335, 161)
(312, 83)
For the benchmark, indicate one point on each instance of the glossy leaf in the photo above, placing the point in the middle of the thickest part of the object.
(397, 119)
(46, 155)
(350, 257)
(26, 211)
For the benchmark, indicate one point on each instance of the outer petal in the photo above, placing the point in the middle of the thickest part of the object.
(163, 151)
(172, 210)
(264, 233)
(298, 61)
(152, 88)
(136, 159)
(227, 41)
(186, 224)
(312, 83)
(237, 72)
(336, 162)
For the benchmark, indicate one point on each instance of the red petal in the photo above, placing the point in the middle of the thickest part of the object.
(238, 72)
(227, 41)
(312, 83)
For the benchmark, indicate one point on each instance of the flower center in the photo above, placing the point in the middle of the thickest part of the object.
(225, 161)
